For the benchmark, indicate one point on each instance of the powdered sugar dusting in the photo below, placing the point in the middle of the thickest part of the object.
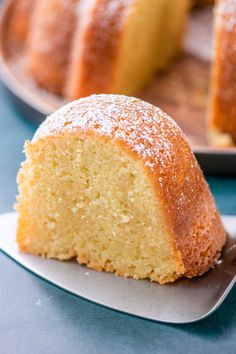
(226, 14)
(144, 128)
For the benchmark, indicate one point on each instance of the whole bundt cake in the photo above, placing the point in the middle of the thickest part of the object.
(78, 47)
(111, 181)
(75, 48)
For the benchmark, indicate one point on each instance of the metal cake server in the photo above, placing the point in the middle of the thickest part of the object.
(185, 301)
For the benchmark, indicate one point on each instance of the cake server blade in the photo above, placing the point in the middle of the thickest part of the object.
(185, 301)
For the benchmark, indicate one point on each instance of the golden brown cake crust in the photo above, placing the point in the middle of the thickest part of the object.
(96, 46)
(49, 42)
(19, 23)
(148, 133)
(223, 110)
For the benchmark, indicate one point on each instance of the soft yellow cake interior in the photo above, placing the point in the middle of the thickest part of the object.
(90, 199)
(153, 46)
(140, 38)
(172, 31)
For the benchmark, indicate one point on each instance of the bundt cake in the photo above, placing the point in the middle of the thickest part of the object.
(78, 47)
(111, 181)
(75, 48)
(223, 95)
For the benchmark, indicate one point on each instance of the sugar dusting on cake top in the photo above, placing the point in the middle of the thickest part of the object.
(144, 128)
(226, 11)
(144, 131)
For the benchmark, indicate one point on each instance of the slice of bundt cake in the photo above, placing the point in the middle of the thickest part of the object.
(223, 94)
(112, 181)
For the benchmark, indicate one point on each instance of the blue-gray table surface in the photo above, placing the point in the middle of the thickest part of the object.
(36, 317)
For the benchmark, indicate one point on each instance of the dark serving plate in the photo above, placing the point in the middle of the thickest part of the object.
(182, 92)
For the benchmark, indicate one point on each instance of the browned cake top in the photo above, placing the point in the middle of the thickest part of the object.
(123, 118)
